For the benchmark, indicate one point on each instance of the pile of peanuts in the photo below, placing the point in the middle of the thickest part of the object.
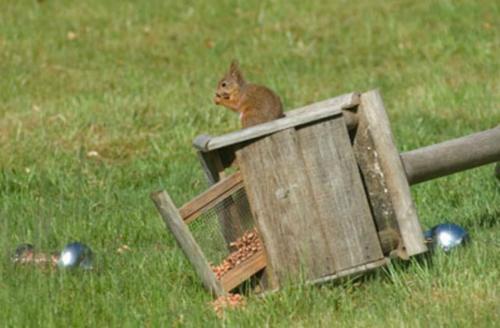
(246, 246)
(29, 256)
(230, 301)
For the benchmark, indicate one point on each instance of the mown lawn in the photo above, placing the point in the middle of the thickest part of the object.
(132, 82)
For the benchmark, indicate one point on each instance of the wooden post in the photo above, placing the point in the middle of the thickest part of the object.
(452, 156)
(185, 239)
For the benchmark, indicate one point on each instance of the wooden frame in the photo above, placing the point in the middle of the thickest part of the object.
(177, 220)
(243, 271)
(207, 200)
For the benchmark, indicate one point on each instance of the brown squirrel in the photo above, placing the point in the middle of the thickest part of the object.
(255, 103)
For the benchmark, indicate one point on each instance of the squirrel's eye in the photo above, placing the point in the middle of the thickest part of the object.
(224, 84)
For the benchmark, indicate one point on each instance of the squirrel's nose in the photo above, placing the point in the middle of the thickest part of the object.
(217, 99)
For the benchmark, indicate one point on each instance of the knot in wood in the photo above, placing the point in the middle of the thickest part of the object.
(282, 193)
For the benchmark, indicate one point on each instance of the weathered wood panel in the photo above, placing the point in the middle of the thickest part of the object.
(344, 101)
(211, 197)
(384, 175)
(185, 239)
(308, 202)
(345, 219)
(280, 194)
(368, 159)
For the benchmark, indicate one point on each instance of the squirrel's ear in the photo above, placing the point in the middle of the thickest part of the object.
(234, 67)
(234, 71)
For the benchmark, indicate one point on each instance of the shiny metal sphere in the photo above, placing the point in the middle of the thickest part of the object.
(446, 236)
(75, 255)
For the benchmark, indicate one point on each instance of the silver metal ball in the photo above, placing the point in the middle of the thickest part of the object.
(75, 255)
(446, 236)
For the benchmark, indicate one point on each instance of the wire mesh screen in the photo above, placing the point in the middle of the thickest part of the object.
(216, 228)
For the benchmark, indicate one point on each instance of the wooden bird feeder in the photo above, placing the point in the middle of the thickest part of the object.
(328, 190)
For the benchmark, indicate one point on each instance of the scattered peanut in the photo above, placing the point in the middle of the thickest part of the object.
(230, 301)
(246, 246)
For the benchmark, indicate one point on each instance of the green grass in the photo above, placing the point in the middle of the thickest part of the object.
(135, 85)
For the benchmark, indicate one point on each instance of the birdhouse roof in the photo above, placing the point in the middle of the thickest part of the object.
(300, 116)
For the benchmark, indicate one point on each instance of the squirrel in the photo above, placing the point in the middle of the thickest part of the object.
(255, 103)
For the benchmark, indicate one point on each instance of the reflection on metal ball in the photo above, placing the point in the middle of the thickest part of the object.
(446, 236)
(75, 255)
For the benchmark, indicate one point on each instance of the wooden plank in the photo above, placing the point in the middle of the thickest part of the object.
(345, 221)
(214, 195)
(270, 127)
(244, 271)
(300, 116)
(396, 204)
(185, 239)
(201, 141)
(348, 272)
(368, 158)
(306, 208)
(341, 274)
(344, 101)
(280, 195)
(452, 156)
